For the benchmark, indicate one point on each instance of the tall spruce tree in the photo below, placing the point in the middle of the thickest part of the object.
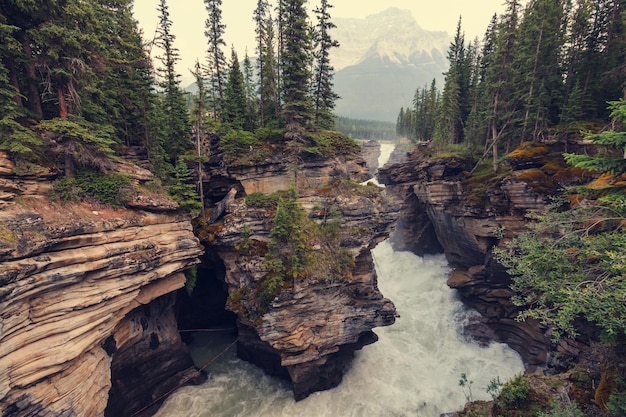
(234, 108)
(295, 64)
(499, 79)
(455, 103)
(269, 92)
(214, 31)
(324, 97)
(177, 132)
(15, 138)
(262, 21)
(538, 76)
(252, 101)
(199, 116)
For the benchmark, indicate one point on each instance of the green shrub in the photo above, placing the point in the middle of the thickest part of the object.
(329, 143)
(563, 410)
(617, 401)
(238, 143)
(260, 200)
(191, 276)
(515, 392)
(104, 188)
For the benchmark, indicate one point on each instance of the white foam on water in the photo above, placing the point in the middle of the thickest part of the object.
(413, 370)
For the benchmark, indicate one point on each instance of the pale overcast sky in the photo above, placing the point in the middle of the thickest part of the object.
(188, 17)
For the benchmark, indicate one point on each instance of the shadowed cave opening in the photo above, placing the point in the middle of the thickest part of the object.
(204, 309)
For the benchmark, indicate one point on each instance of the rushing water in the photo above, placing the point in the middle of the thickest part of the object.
(413, 370)
(385, 153)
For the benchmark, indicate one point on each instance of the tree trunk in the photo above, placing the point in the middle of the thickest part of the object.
(69, 165)
(34, 99)
(62, 103)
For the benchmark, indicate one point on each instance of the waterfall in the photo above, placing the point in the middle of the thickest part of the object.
(413, 370)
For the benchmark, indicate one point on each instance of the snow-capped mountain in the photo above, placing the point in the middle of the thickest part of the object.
(382, 60)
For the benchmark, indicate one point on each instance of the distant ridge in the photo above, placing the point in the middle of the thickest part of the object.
(382, 60)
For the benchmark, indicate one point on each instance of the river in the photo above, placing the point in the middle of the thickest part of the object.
(412, 371)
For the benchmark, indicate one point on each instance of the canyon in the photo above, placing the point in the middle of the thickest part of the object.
(93, 303)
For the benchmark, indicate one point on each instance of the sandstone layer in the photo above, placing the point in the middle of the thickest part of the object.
(73, 278)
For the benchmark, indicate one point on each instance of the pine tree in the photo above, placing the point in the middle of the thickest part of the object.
(323, 95)
(263, 22)
(449, 122)
(176, 138)
(539, 74)
(269, 94)
(498, 78)
(182, 188)
(295, 65)
(16, 139)
(121, 93)
(214, 31)
(199, 128)
(455, 97)
(252, 101)
(234, 111)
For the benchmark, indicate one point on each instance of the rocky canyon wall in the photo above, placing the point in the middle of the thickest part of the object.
(78, 285)
(308, 332)
(466, 216)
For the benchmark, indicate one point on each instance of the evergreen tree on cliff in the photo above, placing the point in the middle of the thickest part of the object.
(538, 72)
(252, 101)
(295, 64)
(176, 129)
(14, 138)
(455, 97)
(214, 31)
(261, 21)
(498, 77)
(323, 95)
(234, 111)
(269, 93)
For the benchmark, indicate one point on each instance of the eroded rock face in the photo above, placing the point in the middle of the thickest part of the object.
(309, 331)
(371, 152)
(71, 280)
(468, 221)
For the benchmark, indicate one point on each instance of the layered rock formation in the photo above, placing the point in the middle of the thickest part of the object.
(466, 216)
(308, 332)
(77, 287)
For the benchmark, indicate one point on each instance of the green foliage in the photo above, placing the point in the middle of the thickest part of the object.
(466, 385)
(365, 129)
(287, 255)
(617, 401)
(514, 393)
(559, 409)
(570, 264)
(191, 276)
(238, 144)
(295, 62)
(80, 133)
(494, 387)
(612, 162)
(235, 102)
(104, 188)
(330, 143)
(261, 200)
(183, 189)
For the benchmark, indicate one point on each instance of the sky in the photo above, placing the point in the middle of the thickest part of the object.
(188, 17)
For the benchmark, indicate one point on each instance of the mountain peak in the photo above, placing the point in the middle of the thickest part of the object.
(381, 60)
(392, 33)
